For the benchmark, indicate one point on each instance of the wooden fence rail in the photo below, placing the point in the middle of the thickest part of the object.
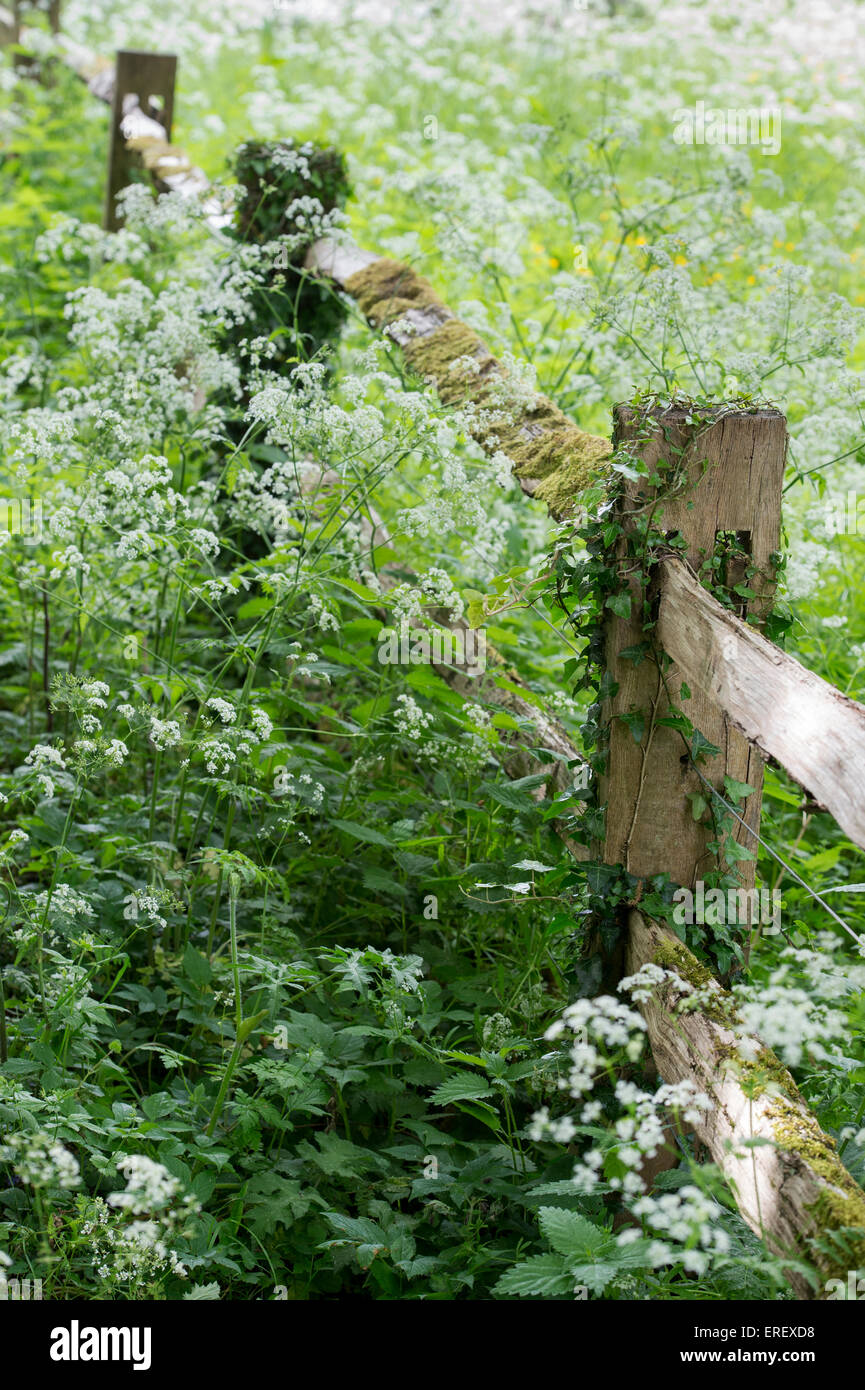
(788, 712)
(747, 696)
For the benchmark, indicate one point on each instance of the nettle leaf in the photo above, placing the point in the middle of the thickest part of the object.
(338, 1157)
(462, 1086)
(368, 1238)
(597, 1275)
(542, 1276)
(273, 1201)
(514, 795)
(571, 1234)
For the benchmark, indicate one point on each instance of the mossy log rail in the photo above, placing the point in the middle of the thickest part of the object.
(789, 1189)
(553, 458)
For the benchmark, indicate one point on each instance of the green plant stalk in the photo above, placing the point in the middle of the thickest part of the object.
(234, 1057)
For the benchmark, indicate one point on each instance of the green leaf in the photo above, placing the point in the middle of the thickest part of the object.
(541, 1276)
(249, 1025)
(636, 722)
(361, 590)
(196, 966)
(737, 791)
(571, 1234)
(620, 605)
(736, 853)
(362, 832)
(462, 1086)
(702, 748)
(476, 613)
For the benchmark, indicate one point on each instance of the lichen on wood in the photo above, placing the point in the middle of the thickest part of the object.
(554, 460)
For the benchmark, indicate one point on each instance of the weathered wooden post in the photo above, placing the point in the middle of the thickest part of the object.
(727, 502)
(10, 20)
(8, 27)
(721, 497)
(142, 82)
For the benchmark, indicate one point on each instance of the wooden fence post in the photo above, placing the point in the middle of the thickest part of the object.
(733, 462)
(146, 81)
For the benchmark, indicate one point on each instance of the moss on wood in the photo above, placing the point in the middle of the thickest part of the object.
(542, 442)
(674, 955)
(841, 1203)
(384, 289)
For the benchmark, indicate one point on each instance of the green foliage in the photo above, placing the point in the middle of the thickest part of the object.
(276, 181)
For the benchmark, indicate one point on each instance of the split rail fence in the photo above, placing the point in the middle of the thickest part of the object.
(749, 698)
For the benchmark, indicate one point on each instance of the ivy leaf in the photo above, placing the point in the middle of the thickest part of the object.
(636, 722)
(735, 852)
(620, 605)
(737, 791)
(677, 720)
(637, 654)
(702, 748)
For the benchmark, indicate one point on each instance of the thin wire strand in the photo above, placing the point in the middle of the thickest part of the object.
(790, 870)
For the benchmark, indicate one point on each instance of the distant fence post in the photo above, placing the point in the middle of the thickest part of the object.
(8, 26)
(145, 80)
(734, 464)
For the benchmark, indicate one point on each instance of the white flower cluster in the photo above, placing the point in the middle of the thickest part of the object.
(795, 1011)
(601, 1027)
(224, 708)
(41, 757)
(685, 996)
(410, 721)
(164, 733)
(302, 786)
(141, 1248)
(434, 588)
(42, 1161)
(687, 1217)
(149, 1185)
